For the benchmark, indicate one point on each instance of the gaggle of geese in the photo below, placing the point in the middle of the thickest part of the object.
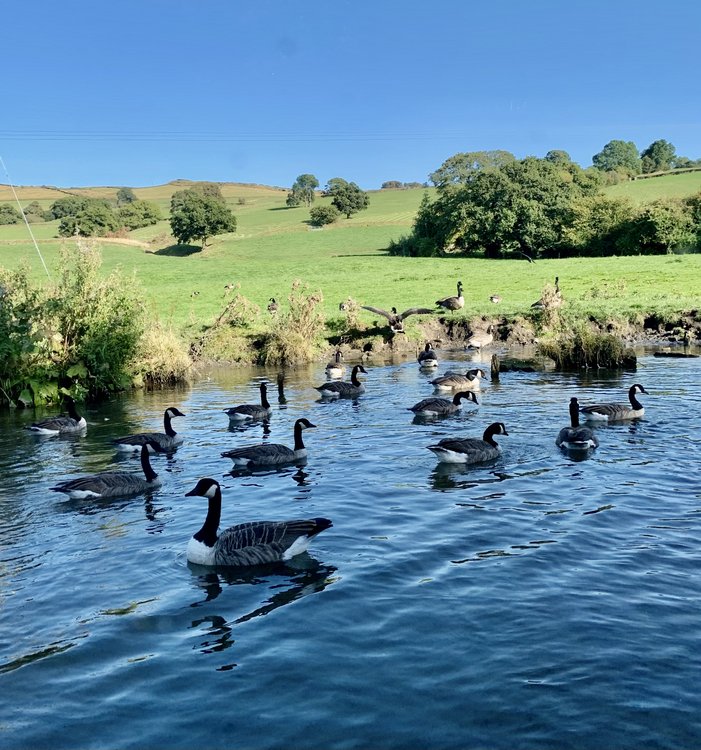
(261, 542)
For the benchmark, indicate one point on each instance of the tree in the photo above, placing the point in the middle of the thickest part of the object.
(35, 213)
(195, 216)
(139, 214)
(9, 214)
(658, 157)
(125, 195)
(95, 219)
(335, 183)
(320, 215)
(392, 185)
(462, 167)
(303, 191)
(68, 206)
(617, 155)
(350, 199)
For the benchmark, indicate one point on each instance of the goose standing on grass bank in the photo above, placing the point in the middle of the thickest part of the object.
(435, 407)
(253, 543)
(273, 306)
(167, 441)
(550, 299)
(113, 483)
(272, 454)
(61, 424)
(470, 450)
(453, 303)
(251, 411)
(495, 299)
(342, 388)
(335, 368)
(396, 320)
(614, 412)
(576, 437)
(428, 357)
(470, 381)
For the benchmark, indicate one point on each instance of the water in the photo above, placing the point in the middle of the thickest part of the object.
(536, 602)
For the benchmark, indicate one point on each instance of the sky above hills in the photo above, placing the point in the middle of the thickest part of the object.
(140, 92)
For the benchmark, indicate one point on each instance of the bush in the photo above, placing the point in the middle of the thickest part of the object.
(162, 358)
(138, 214)
(68, 206)
(321, 215)
(95, 219)
(9, 214)
(584, 348)
(296, 333)
(35, 213)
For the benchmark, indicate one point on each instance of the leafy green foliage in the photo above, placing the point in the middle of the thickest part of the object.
(461, 168)
(35, 213)
(95, 219)
(321, 215)
(580, 347)
(125, 195)
(137, 214)
(9, 214)
(82, 331)
(71, 205)
(195, 215)
(658, 156)
(349, 199)
(303, 191)
(618, 155)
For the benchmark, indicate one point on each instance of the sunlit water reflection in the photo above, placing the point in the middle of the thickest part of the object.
(540, 600)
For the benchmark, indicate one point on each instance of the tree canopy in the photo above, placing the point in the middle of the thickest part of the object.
(617, 155)
(347, 197)
(197, 216)
(125, 195)
(659, 156)
(461, 168)
(137, 214)
(303, 191)
(9, 214)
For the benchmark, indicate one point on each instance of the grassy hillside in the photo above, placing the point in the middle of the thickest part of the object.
(274, 245)
(666, 186)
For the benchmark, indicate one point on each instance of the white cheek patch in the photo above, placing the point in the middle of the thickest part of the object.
(211, 491)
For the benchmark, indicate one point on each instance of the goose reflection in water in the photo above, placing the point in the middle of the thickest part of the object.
(289, 583)
(239, 427)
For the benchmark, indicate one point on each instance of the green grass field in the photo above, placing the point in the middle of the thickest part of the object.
(274, 245)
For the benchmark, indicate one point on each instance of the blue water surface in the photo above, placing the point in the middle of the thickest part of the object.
(539, 601)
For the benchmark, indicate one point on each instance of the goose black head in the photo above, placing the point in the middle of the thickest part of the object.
(171, 411)
(466, 396)
(497, 428)
(638, 388)
(304, 424)
(206, 487)
(359, 368)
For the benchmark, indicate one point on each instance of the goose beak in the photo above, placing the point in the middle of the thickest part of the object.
(192, 493)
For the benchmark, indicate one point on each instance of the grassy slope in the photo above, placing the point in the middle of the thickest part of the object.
(274, 245)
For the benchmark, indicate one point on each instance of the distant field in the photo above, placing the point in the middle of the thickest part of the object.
(667, 186)
(274, 246)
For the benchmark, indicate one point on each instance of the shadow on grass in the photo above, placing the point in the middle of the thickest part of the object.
(178, 251)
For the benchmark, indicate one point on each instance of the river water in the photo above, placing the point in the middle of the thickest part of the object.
(539, 601)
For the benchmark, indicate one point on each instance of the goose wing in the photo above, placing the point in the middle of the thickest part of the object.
(56, 424)
(416, 311)
(267, 452)
(262, 542)
(340, 386)
(247, 409)
(104, 484)
(378, 311)
(607, 410)
(141, 438)
(432, 404)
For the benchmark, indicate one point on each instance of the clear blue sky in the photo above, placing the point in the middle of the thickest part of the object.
(140, 92)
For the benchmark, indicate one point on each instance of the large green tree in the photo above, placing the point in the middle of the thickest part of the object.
(659, 156)
(95, 219)
(9, 214)
(139, 213)
(462, 167)
(303, 191)
(618, 155)
(125, 195)
(349, 199)
(196, 216)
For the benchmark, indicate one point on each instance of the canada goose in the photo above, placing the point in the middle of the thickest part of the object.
(167, 441)
(470, 450)
(428, 358)
(433, 407)
(338, 388)
(113, 483)
(335, 369)
(453, 303)
(481, 339)
(271, 454)
(495, 299)
(253, 543)
(396, 320)
(273, 306)
(550, 299)
(614, 412)
(61, 424)
(342, 306)
(470, 381)
(251, 411)
(576, 437)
